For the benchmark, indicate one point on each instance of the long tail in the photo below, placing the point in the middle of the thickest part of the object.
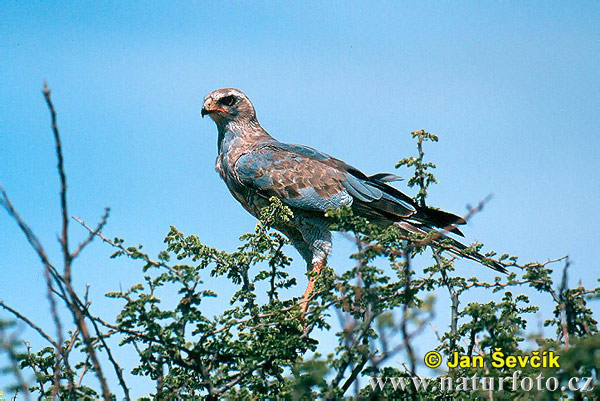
(457, 248)
(401, 210)
(453, 246)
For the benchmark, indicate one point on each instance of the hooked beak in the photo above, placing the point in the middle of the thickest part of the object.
(210, 107)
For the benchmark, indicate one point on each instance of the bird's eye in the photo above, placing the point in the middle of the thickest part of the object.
(228, 100)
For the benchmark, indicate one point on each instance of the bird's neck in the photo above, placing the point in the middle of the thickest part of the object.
(236, 134)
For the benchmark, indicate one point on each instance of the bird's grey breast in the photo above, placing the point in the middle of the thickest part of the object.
(231, 148)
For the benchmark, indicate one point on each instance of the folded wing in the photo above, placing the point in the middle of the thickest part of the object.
(307, 179)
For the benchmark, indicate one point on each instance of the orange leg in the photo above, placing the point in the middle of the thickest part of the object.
(309, 288)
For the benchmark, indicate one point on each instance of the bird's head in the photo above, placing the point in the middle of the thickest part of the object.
(229, 104)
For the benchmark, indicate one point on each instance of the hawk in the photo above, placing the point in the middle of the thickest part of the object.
(256, 167)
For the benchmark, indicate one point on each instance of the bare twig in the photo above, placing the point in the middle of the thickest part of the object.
(123, 249)
(78, 315)
(92, 234)
(64, 239)
(29, 323)
(49, 273)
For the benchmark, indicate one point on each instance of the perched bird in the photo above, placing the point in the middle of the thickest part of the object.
(255, 167)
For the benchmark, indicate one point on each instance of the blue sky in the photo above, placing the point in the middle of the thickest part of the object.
(512, 89)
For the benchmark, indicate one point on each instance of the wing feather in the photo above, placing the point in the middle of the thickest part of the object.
(295, 174)
(305, 178)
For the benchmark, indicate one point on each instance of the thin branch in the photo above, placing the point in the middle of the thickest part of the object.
(273, 291)
(235, 379)
(78, 314)
(126, 251)
(92, 234)
(64, 239)
(59, 330)
(29, 235)
(403, 326)
(49, 273)
(354, 373)
(29, 323)
(35, 370)
(453, 299)
(118, 370)
(563, 313)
